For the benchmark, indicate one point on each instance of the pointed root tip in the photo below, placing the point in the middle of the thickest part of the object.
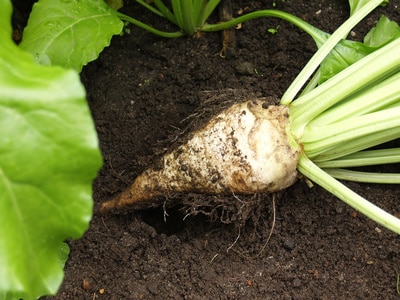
(126, 199)
(110, 205)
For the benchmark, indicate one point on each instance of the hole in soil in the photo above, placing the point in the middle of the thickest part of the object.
(174, 220)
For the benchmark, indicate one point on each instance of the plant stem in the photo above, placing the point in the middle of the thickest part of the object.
(366, 177)
(324, 50)
(318, 139)
(364, 158)
(369, 70)
(207, 11)
(398, 284)
(349, 147)
(383, 95)
(142, 25)
(314, 173)
(165, 11)
(153, 9)
(317, 35)
(183, 17)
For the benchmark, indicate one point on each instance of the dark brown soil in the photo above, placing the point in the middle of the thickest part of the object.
(141, 91)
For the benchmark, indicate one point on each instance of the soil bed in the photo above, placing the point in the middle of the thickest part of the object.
(144, 93)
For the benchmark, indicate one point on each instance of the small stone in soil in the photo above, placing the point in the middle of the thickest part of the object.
(86, 285)
(288, 244)
(245, 68)
(296, 282)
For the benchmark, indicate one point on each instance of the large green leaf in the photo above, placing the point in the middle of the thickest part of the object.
(69, 33)
(49, 157)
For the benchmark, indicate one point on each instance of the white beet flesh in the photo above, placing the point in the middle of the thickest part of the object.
(242, 150)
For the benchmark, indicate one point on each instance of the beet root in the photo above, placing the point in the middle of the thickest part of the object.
(242, 150)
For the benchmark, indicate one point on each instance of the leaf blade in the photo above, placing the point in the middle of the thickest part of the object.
(49, 157)
(69, 33)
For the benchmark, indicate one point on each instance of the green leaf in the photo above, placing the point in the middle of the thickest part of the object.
(344, 54)
(69, 33)
(49, 156)
(348, 52)
(384, 32)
